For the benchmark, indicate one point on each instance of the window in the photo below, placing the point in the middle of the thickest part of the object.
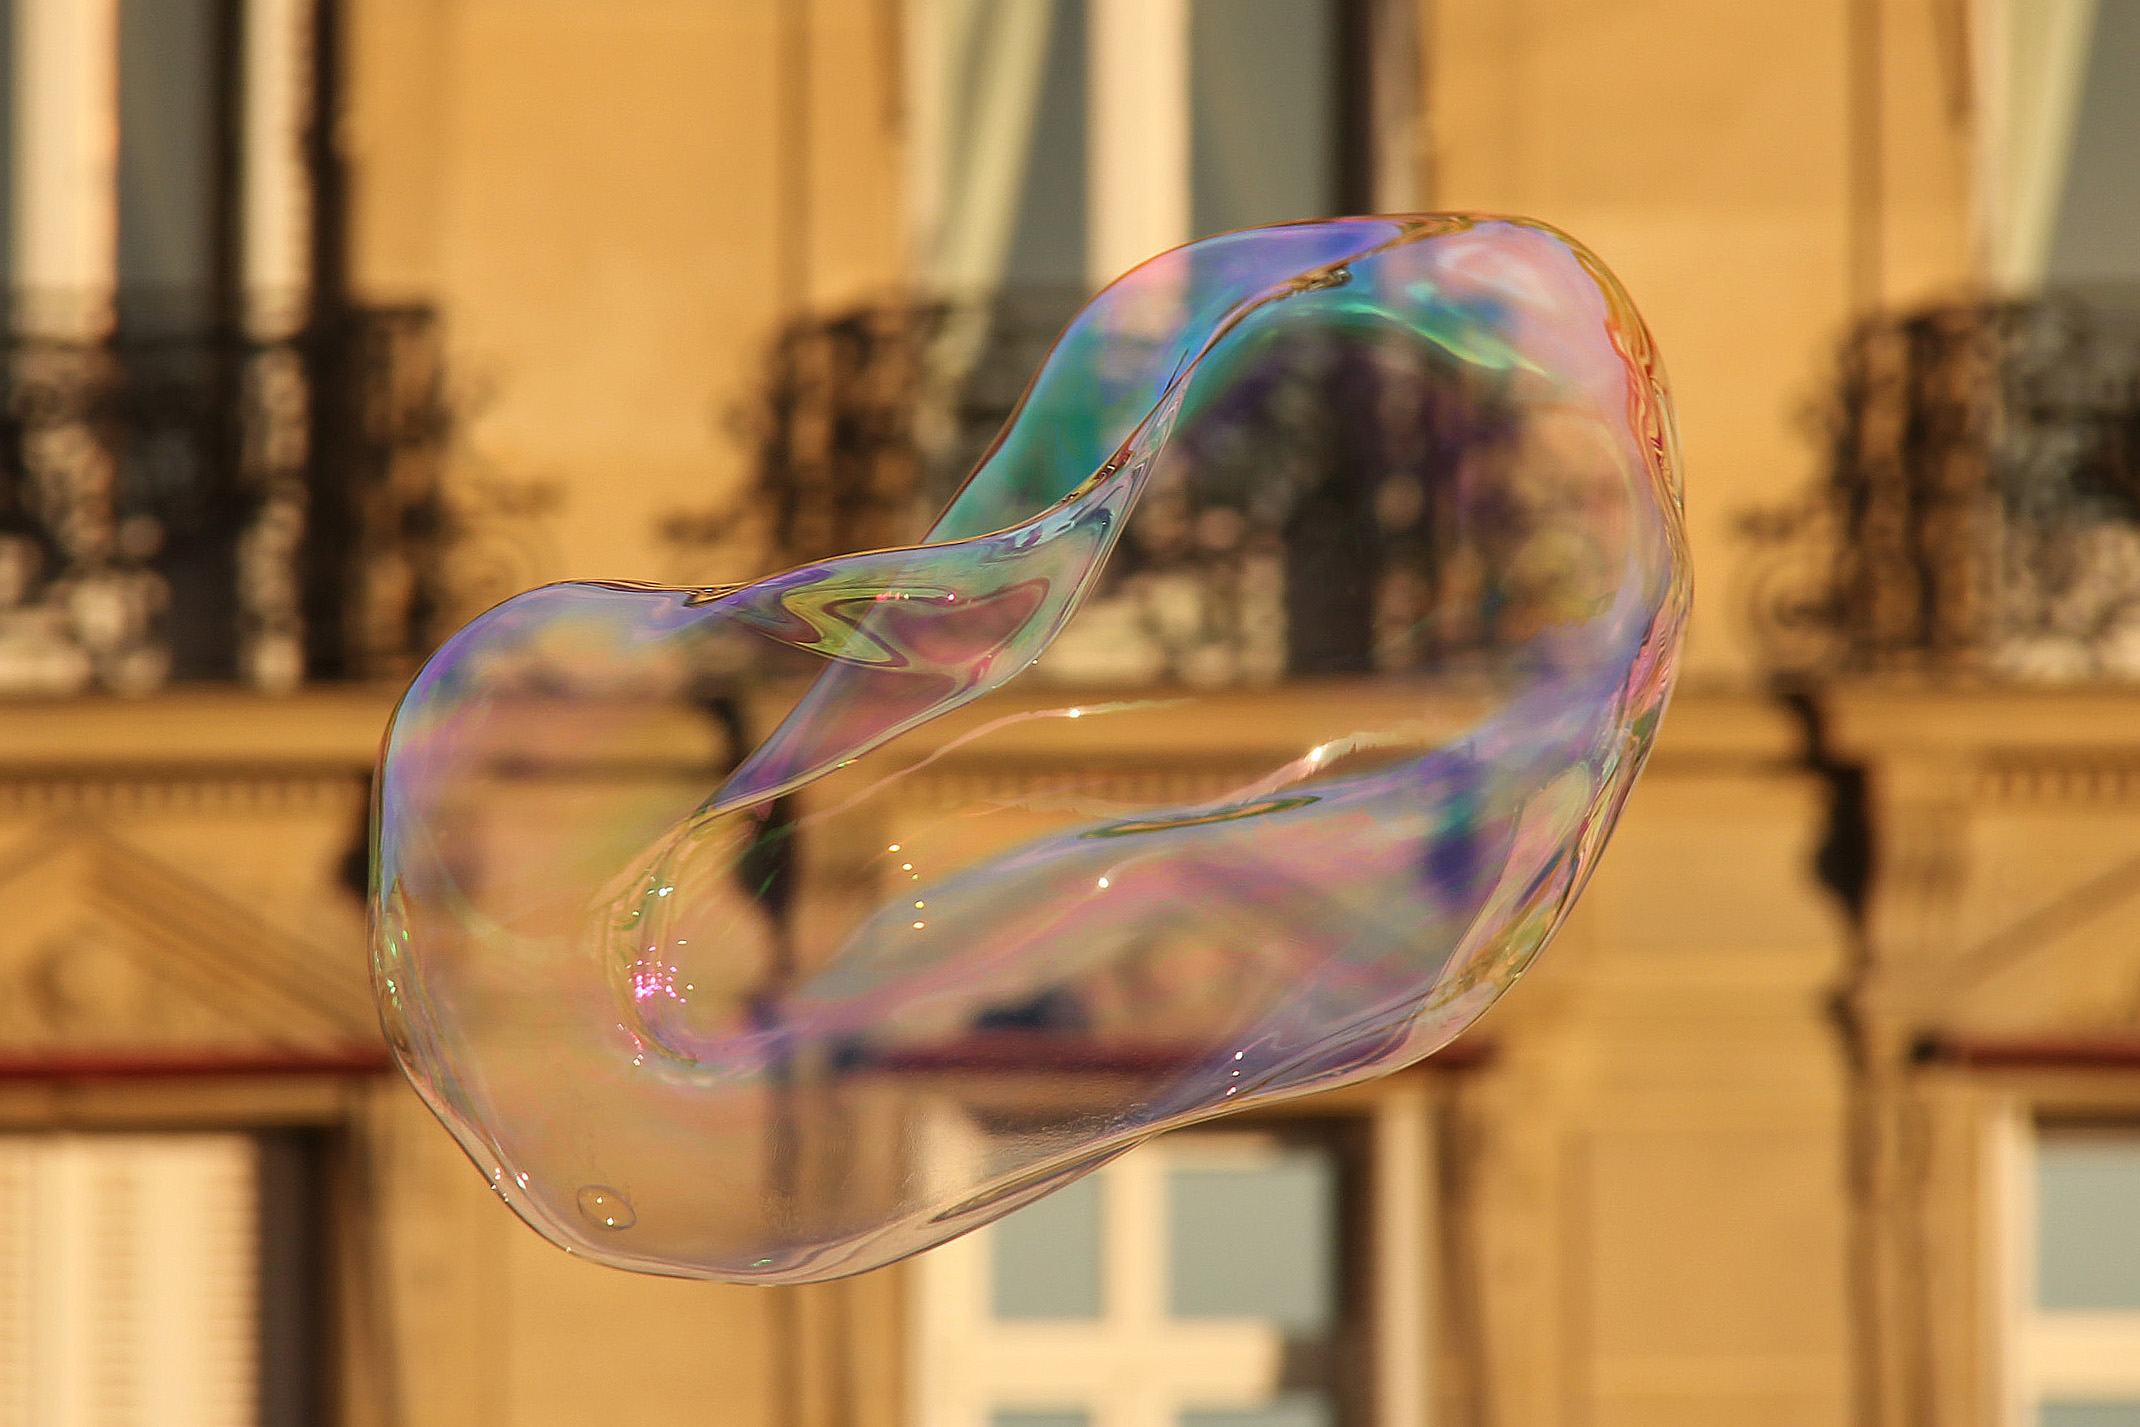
(1058, 143)
(157, 1280)
(156, 202)
(2078, 1354)
(1210, 1278)
(1061, 142)
(212, 466)
(155, 169)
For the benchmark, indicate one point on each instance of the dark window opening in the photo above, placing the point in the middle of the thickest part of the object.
(294, 1277)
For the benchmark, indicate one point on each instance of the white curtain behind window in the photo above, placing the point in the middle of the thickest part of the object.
(127, 1294)
(65, 206)
(1139, 71)
(989, 58)
(2037, 54)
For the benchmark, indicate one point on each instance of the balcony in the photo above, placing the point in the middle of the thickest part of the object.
(184, 502)
(1321, 536)
(1980, 518)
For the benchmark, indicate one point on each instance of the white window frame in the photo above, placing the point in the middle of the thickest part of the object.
(1147, 1365)
(65, 205)
(1138, 129)
(2068, 1353)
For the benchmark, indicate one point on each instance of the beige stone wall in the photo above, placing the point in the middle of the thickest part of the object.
(178, 950)
(1756, 174)
(613, 203)
(1639, 1215)
(2000, 984)
(1652, 1164)
(1666, 1198)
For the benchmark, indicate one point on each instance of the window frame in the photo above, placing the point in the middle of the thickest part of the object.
(1386, 1134)
(2063, 1351)
(327, 1113)
(64, 129)
(1138, 162)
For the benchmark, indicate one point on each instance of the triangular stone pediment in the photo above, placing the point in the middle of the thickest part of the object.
(2064, 965)
(104, 948)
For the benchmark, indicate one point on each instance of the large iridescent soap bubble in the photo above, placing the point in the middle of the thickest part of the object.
(1244, 726)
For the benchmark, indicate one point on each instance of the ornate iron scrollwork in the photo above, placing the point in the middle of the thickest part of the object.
(214, 505)
(1267, 550)
(1981, 512)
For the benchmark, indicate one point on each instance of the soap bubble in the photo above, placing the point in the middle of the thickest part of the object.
(1243, 727)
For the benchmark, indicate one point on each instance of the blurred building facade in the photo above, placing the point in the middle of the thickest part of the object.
(336, 320)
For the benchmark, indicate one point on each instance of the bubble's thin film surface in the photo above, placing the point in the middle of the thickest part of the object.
(714, 910)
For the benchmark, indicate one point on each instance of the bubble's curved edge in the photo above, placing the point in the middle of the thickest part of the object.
(1405, 227)
(841, 1258)
(929, 1227)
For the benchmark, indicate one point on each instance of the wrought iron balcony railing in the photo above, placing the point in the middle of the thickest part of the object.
(1981, 513)
(200, 504)
(1313, 531)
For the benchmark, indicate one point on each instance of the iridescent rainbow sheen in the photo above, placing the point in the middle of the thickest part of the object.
(655, 926)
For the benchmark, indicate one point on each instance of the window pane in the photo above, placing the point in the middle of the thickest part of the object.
(1288, 1412)
(1048, 245)
(1256, 1241)
(2088, 1220)
(1046, 1257)
(2090, 1414)
(294, 1350)
(1012, 186)
(173, 58)
(2095, 244)
(1019, 1417)
(1263, 105)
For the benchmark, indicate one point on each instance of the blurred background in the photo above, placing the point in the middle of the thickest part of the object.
(331, 322)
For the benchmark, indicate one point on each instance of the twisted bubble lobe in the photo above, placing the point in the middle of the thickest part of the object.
(1243, 727)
